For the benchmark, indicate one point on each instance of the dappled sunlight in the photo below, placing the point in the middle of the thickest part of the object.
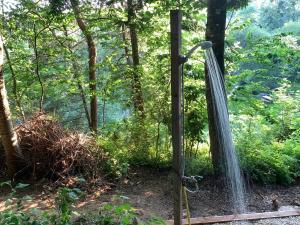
(111, 113)
(35, 201)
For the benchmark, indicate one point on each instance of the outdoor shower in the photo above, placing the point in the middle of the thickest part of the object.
(232, 171)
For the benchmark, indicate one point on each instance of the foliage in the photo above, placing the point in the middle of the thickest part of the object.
(249, 34)
(291, 27)
(267, 64)
(122, 214)
(199, 164)
(236, 4)
(267, 139)
(118, 163)
(263, 97)
(278, 13)
(66, 197)
(46, 69)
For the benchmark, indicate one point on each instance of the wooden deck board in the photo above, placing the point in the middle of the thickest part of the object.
(239, 217)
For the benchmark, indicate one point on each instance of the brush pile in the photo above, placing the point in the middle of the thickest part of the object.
(49, 150)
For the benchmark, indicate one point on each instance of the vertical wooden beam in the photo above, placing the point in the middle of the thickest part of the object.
(176, 73)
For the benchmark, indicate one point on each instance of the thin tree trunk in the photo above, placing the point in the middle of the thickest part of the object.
(138, 100)
(15, 89)
(37, 68)
(92, 63)
(7, 133)
(215, 32)
(82, 94)
(197, 149)
(80, 87)
(157, 140)
(103, 112)
(76, 76)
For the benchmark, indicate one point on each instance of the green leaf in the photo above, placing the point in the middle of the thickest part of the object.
(21, 186)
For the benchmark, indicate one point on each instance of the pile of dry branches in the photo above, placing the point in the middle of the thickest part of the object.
(49, 150)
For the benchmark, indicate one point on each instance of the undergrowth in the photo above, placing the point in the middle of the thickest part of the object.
(118, 213)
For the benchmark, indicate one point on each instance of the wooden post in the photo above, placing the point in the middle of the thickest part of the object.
(176, 74)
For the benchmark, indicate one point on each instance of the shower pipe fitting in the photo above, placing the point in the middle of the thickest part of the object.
(204, 45)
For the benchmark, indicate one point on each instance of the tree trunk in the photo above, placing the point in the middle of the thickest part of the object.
(82, 95)
(92, 50)
(138, 100)
(17, 99)
(7, 133)
(215, 32)
(37, 67)
(103, 111)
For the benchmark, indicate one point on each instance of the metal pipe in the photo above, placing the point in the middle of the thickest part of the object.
(204, 45)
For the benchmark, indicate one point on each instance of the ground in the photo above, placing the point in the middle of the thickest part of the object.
(149, 191)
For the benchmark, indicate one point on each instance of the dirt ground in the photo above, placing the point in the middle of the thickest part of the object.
(150, 193)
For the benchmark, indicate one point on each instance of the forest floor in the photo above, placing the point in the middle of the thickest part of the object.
(149, 192)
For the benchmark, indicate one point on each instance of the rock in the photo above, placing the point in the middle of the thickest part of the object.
(275, 204)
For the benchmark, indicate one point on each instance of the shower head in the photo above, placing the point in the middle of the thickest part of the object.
(206, 45)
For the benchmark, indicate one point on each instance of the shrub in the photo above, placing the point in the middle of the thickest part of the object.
(266, 166)
(199, 164)
(117, 163)
(292, 27)
(250, 34)
(121, 214)
(265, 158)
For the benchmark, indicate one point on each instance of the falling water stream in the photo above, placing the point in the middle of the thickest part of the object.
(233, 172)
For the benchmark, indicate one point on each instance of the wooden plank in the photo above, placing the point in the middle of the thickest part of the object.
(175, 20)
(239, 217)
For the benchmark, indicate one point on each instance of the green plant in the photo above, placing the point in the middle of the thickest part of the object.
(13, 193)
(15, 216)
(117, 163)
(66, 197)
(109, 214)
(268, 142)
(291, 27)
(122, 214)
(199, 164)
